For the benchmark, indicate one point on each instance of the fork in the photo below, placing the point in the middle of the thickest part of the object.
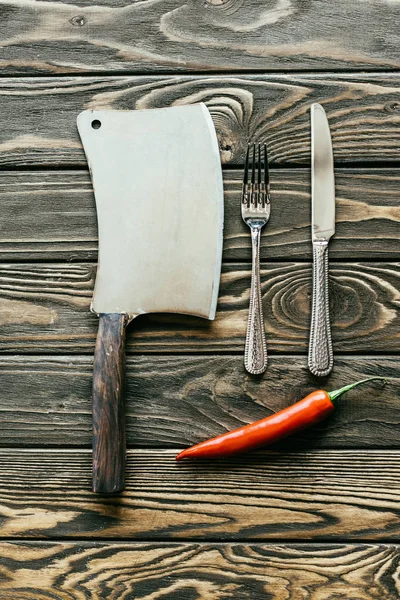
(255, 213)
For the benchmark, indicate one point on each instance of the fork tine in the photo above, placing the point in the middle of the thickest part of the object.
(245, 195)
(260, 191)
(260, 194)
(253, 167)
(266, 169)
(246, 167)
(253, 195)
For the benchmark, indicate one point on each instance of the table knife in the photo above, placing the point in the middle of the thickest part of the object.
(320, 355)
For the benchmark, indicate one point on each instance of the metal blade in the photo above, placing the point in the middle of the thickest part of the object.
(322, 176)
(159, 196)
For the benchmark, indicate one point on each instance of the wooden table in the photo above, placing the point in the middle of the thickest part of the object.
(317, 517)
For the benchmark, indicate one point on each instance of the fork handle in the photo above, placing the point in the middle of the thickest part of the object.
(255, 354)
(320, 352)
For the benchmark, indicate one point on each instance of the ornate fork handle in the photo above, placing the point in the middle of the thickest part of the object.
(255, 355)
(320, 355)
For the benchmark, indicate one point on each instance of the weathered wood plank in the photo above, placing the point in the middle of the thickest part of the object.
(51, 215)
(38, 116)
(45, 308)
(64, 37)
(181, 400)
(71, 571)
(314, 495)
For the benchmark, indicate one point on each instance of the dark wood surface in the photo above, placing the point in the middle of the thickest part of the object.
(303, 495)
(60, 36)
(45, 308)
(50, 215)
(208, 531)
(176, 401)
(181, 571)
(363, 112)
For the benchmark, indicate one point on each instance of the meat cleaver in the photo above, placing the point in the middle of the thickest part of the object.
(157, 182)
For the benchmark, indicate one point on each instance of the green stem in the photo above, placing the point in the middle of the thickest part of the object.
(337, 393)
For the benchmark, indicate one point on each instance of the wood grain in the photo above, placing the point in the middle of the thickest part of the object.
(314, 495)
(51, 215)
(38, 117)
(176, 401)
(45, 308)
(339, 481)
(65, 37)
(71, 571)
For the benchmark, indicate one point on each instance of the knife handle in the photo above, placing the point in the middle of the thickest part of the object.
(320, 353)
(109, 440)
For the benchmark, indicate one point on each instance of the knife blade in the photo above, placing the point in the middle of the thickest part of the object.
(322, 176)
(320, 353)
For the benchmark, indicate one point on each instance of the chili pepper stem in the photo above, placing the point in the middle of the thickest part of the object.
(337, 393)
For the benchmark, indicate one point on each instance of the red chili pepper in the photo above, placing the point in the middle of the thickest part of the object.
(311, 410)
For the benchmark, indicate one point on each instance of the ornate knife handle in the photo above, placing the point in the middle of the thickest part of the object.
(320, 353)
(255, 354)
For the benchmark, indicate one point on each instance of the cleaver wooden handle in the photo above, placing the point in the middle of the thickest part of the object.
(109, 439)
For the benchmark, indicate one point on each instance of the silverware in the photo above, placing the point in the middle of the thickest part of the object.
(320, 354)
(255, 213)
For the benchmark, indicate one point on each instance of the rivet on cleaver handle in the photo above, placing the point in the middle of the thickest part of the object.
(157, 182)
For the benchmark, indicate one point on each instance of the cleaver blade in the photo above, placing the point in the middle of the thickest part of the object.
(157, 182)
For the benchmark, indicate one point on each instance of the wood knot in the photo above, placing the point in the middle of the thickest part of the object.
(78, 21)
(226, 148)
(216, 2)
(229, 6)
(392, 107)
